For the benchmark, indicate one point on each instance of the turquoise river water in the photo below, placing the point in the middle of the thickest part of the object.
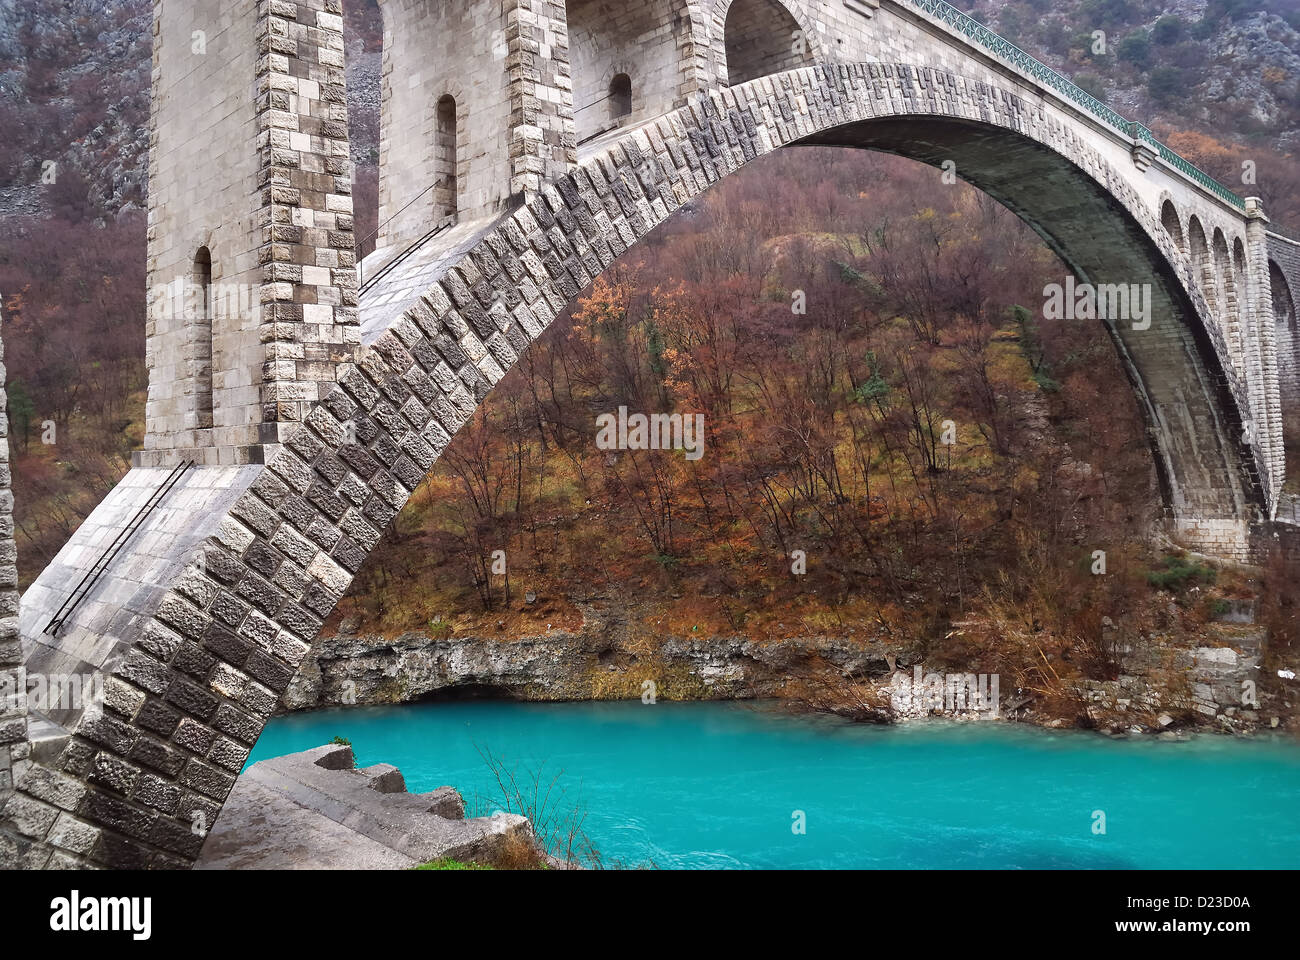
(690, 785)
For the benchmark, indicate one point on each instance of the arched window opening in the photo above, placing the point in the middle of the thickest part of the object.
(1202, 264)
(201, 338)
(1283, 305)
(620, 97)
(1226, 287)
(653, 42)
(1169, 220)
(1286, 334)
(1241, 279)
(762, 38)
(445, 184)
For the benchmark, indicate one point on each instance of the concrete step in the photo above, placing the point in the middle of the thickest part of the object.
(312, 809)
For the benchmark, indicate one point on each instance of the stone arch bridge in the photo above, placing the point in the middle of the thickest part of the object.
(300, 397)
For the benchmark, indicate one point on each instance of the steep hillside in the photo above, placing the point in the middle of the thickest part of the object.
(1231, 66)
(1185, 68)
(74, 78)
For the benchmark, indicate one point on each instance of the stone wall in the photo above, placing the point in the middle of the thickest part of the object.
(166, 547)
(506, 65)
(14, 747)
(199, 47)
(309, 316)
(454, 49)
(543, 144)
(762, 37)
(650, 42)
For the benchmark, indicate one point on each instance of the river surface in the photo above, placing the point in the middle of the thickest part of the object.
(690, 785)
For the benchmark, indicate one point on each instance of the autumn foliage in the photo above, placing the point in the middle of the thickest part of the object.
(834, 334)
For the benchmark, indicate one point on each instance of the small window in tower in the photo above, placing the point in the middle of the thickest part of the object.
(446, 188)
(200, 320)
(620, 97)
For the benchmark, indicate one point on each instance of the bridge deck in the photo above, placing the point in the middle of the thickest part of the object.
(386, 297)
(390, 292)
(134, 585)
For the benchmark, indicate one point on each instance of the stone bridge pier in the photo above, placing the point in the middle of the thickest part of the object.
(298, 397)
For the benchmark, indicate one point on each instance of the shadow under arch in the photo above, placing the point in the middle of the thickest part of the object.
(1174, 363)
(1173, 226)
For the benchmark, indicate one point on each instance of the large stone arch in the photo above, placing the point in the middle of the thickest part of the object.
(1202, 262)
(194, 674)
(1226, 287)
(1170, 362)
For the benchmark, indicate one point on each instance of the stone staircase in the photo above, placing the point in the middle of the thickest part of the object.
(313, 810)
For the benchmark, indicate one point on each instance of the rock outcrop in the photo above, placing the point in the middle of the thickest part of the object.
(1205, 678)
(599, 662)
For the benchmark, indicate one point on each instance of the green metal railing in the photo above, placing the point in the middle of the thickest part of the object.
(1008, 51)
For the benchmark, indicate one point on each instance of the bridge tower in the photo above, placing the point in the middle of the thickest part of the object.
(477, 111)
(483, 102)
(251, 258)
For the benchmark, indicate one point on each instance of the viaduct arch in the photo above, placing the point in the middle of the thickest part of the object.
(198, 624)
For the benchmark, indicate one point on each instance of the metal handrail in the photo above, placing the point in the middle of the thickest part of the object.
(69, 606)
(1009, 52)
(397, 260)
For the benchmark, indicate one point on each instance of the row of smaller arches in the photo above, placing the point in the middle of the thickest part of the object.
(1219, 269)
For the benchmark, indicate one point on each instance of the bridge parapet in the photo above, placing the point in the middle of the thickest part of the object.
(1035, 69)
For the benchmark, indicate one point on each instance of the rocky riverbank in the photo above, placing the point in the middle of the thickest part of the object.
(351, 668)
(1163, 684)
